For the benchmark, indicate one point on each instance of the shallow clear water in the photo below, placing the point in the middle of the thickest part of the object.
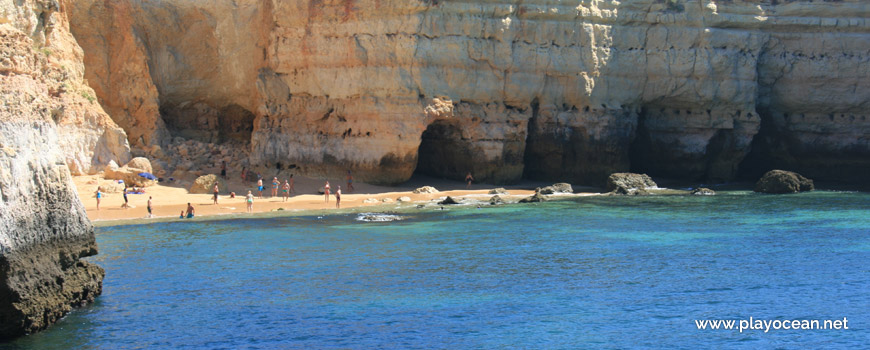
(608, 273)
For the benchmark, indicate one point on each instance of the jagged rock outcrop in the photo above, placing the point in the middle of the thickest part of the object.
(38, 43)
(629, 183)
(44, 230)
(703, 191)
(205, 184)
(129, 173)
(781, 181)
(570, 90)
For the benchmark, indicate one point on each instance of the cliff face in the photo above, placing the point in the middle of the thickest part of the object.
(568, 90)
(44, 230)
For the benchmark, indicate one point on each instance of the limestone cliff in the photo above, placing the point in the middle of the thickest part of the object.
(46, 122)
(569, 90)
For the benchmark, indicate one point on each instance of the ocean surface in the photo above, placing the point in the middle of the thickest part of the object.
(590, 273)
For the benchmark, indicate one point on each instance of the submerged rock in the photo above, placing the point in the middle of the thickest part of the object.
(703, 191)
(781, 181)
(426, 189)
(448, 200)
(629, 183)
(378, 217)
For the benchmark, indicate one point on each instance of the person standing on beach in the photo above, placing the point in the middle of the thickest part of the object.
(275, 186)
(99, 196)
(469, 179)
(150, 215)
(338, 197)
(286, 190)
(250, 200)
(260, 185)
(349, 181)
(190, 211)
(216, 191)
(326, 191)
(291, 183)
(244, 173)
(126, 205)
(224, 169)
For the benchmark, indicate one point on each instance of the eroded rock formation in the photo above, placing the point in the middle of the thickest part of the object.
(570, 90)
(44, 230)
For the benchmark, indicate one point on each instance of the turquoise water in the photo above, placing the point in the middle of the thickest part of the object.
(601, 273)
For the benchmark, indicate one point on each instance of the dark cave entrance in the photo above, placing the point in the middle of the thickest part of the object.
(202, 122)
(443, 153)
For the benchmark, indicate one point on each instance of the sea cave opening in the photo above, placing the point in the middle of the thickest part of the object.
(204, 123)
(443, 153)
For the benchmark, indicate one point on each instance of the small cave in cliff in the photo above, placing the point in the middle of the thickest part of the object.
(443, 153)
(202, 122)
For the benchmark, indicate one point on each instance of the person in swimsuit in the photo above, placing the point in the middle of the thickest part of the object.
(216, 191)
(260, 186)
(244, 173)
(274, 187)
(99, 196)
(291, 183)
(326, 191)
(286, 189)
(150, 215)
(125, 205)
(250, 200)
(338, 197)
(349, 181)
(224, 169)
(181, 216)
(190, 211)
(469, 179)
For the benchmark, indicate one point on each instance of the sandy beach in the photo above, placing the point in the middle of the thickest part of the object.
(168, 201)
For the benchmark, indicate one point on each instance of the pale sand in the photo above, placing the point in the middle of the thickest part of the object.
(169, 201)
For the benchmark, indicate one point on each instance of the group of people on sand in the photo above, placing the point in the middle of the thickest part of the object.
(126, 205)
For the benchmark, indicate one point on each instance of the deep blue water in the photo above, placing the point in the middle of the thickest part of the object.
(601, 273)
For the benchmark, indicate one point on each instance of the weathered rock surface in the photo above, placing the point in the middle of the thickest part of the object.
(403, 199)
(781, 181)
(703, 192)
(205, 184)
(44, 230)
(425, 189)
(535, 198)
(130, 172)
(625, 183)
(498, 191)
(571, 90)
(496, 200)
(557, 188)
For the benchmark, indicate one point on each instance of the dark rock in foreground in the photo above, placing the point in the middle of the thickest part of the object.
(536, 198)
(448, 200)
(629, 183)
(781, 181)
(703, 191)
(496, 200)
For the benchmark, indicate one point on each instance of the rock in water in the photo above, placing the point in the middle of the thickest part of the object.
(496, 200)
(703, 192)
(205, 184)
(536, 198)
(781, 181)
(448, 200)
(498, 191)
(425, 189)
(628, 183)
(49, 122)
